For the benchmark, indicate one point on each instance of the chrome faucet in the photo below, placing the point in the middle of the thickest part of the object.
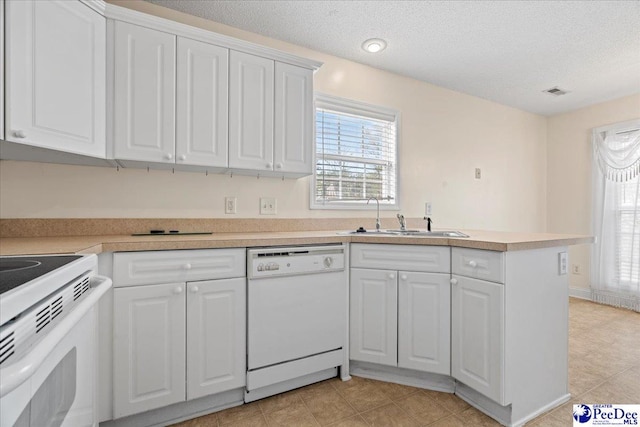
(377, 211)
(403, 224)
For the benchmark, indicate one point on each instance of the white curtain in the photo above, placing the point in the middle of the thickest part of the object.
(615, 264)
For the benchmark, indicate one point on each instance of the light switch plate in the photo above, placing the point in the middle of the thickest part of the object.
(230, 205)
(268, 206)
(563, 263)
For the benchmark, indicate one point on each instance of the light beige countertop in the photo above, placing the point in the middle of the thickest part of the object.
(489, 240)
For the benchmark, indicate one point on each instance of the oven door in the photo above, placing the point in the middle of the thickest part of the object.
(55, 383)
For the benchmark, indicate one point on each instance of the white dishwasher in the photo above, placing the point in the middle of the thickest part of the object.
(297, 317)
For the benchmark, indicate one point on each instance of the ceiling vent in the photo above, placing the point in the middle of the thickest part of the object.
(556, 91)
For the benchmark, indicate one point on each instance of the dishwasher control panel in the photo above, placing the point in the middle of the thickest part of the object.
(295, 260)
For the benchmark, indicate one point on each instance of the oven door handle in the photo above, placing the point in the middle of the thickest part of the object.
(17, 373)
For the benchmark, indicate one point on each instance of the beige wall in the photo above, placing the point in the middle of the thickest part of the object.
(569, 172)
(445, 135)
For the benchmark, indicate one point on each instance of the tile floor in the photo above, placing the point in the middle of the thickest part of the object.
(604, 367)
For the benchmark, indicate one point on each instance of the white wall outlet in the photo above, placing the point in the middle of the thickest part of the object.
(268, 206)
(230, 205)
(427, 209)
(563, 263)
(575, 269)
(478, 173)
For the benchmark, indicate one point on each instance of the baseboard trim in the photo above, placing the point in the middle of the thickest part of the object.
(403, 376)
(581, 293)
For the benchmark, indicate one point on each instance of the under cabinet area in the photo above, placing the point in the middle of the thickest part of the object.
(55, 86)
(177, 337)
(400, 317)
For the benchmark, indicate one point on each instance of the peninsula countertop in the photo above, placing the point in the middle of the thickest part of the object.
(488, 240)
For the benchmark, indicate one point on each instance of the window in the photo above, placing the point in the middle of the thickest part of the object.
(615, 277)
(355, 154)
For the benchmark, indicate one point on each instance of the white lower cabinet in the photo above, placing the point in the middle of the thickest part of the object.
(216, 336)
(149, 352)
(423, 322)
(477, 335)
(177, 341)
(374, 316)
(401, 318)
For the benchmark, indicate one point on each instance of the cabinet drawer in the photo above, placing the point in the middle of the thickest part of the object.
(479, 264)
(429, 259)
(155, 267)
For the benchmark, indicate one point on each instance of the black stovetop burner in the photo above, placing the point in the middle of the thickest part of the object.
(16, 271)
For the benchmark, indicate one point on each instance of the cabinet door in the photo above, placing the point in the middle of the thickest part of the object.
(373, 316)
(293, 128)
(55, 76)
(148, 347)
(202, 109)
(477, 334)
(144, 94)
(424, 322)
(216, 336)
(250, 112)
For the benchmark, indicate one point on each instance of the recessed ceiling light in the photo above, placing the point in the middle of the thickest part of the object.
(374, 45)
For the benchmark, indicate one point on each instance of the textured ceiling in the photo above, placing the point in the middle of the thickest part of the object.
(504, 51)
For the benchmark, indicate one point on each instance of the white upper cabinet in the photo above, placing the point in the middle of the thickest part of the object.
(55, 76)
(144, 94)
(202, 104)
(251, 83)
(293, 131)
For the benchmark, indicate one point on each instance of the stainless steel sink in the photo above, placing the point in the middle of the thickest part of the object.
(433, 233)
(407, 233)
(372, 233)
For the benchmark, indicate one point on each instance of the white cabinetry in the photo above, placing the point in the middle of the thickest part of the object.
(477, 320)
(374, 308)
(55, 76)
(509, 331)
(149, 352)
(251, 87)
(216, 334)
(270, 116)
(400, 317)
(181, 340)
(293, 132)
(477, 335)
(423, 321)
(144, 94)
(202, 104)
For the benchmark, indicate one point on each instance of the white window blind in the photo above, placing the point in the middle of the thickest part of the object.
(627, 206)
(356, 154)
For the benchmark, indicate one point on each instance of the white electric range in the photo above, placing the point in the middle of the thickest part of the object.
(48, 339)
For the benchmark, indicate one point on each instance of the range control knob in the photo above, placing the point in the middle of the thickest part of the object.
(328, 261)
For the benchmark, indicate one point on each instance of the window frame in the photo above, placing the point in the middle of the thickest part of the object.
(349, 106)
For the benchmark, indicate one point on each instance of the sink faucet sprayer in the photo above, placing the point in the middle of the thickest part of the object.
(429, 221)
(403, 224)
(377, 211)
